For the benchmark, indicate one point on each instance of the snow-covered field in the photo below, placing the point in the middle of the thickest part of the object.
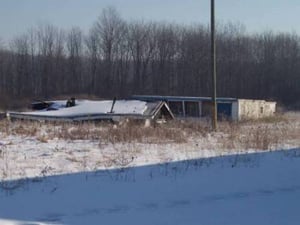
(28, 157)
(260, 188)
(46, 178)
(30, 150)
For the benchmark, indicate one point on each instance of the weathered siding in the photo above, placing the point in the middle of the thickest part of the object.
(255, 109)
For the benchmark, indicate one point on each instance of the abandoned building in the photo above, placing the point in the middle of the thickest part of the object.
(229, 108)
(147, 107)
(86, 110)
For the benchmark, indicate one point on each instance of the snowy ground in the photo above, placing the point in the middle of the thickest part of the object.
(28, 156)
(206, 179)
(260, 188)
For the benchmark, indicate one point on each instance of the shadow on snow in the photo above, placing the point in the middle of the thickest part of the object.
(261, 188)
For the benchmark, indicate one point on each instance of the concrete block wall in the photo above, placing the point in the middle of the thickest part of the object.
(255, 109)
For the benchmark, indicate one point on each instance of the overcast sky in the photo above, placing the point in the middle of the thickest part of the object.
(16, 16)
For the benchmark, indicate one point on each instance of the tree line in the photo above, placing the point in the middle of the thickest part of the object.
(118, 58)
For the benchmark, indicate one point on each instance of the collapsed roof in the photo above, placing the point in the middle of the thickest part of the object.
(85, 110)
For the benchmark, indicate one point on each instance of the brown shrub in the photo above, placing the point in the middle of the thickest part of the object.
(258, 137)
(136, 133)
(260, 134)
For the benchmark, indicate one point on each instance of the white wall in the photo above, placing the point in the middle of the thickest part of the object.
(255, 109)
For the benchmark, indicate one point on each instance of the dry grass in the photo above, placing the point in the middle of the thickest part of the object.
(136, 133)
(264, 134)
(121, 155)
(255, 137)
(261, 134)
(4, 126)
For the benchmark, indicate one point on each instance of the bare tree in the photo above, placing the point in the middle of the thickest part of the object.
(93, 56)
(20, 47)
(118, 58)
(141, 39)
(75, 53)
(109, 28)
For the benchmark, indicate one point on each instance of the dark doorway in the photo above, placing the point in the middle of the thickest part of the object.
(224, 110)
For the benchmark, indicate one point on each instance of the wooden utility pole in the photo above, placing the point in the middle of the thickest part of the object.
(213, 67)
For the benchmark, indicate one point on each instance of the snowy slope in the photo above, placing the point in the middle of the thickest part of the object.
(261, 188)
